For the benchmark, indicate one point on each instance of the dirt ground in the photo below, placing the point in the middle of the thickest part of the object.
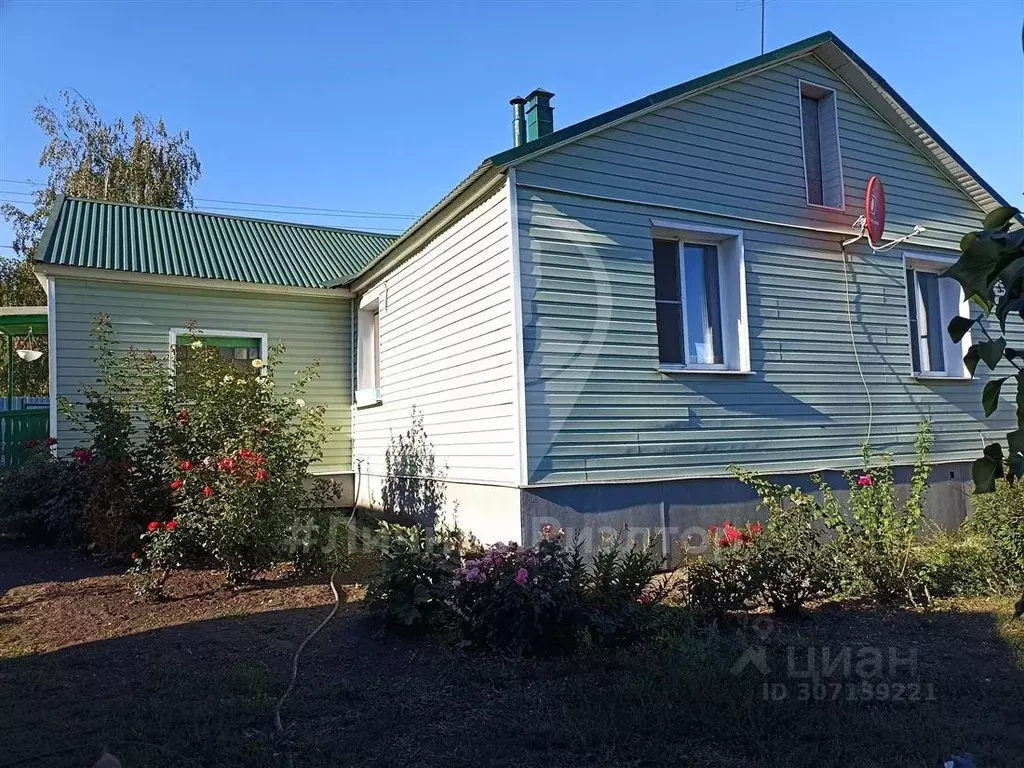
(193, 681)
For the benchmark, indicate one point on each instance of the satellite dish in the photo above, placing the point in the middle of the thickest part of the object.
(874, 209)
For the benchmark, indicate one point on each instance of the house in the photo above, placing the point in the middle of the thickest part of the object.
(598, 321)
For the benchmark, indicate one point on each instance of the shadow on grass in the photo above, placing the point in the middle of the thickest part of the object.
(202, 694)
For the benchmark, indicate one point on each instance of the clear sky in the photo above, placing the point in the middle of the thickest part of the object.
(384, 106)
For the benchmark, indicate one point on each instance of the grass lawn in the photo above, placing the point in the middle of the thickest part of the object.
(192, 682)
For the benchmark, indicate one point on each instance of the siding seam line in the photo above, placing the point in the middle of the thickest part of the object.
(701, 212)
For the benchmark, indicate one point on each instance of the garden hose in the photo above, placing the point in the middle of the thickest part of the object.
(278, 728)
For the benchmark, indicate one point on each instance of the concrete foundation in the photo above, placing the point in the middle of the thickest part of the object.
(677, 509)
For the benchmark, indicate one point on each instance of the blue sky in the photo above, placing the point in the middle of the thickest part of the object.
(384, 106)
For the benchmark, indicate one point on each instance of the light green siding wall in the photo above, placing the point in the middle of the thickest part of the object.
(142, 315)
(597, 407)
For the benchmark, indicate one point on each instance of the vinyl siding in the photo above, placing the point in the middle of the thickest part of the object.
(598, 409)
(309, 327)
(737, 150)
(446, 348)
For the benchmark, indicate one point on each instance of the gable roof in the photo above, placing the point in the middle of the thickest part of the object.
(827, 46)
(187, 243)
(835, 54)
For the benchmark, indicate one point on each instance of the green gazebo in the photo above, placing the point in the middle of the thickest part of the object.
(19, 426)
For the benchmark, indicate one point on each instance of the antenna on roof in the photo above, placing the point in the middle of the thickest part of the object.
(742, 5)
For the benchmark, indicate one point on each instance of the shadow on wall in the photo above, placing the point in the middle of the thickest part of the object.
(591, 361)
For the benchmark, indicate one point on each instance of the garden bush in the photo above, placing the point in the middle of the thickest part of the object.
(42, 499)
(724, 577)
(879, 535)
(959, 564)
(411, 587)
(548, 599)
(219, 451)
(241, 454)
(998, 517)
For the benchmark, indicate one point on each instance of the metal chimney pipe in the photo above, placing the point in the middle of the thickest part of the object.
(518, 121)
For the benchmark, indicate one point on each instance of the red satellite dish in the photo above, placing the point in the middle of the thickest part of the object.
(874, 209)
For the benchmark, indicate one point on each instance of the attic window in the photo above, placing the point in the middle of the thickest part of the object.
(819, 126)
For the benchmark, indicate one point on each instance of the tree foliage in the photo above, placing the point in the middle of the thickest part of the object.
(991, 271)
(84, 156)
(125, 162)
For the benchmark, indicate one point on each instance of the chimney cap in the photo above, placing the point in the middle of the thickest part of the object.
(539, 93)
(517, 100)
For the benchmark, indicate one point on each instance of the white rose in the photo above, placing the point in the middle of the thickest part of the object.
(257, 363)
(300, 402)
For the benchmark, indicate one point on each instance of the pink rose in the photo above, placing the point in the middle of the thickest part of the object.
(522, 575)
(865, 480)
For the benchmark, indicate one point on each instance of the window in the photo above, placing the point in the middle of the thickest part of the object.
(368, 355)
(236, 348)
(931, 302)
(699, 297)
(819, 126)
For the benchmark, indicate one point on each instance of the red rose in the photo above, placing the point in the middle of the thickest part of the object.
(153, 526)
(171, 525)
(207, 491)
(176, 484)
(745, 537)
(226, 464)
(261, 474)
(246, 454)
(756, 528)
(186, 466)
(712, 531)
(135, 555)
(724, 542)
(51, 441)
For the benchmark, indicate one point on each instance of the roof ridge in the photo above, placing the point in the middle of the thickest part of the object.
(200, 212)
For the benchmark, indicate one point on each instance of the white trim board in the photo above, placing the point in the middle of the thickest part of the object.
(174, 281)
(51, 350)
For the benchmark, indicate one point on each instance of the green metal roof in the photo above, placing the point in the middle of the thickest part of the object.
(186, 243)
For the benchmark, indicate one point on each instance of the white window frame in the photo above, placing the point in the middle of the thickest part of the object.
(732, 304)
(808, 88)
(176, 332)
(952, 352)
(369, 309)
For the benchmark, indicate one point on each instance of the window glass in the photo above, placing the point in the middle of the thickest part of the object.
(812, 149)
(930, 321)
(668, 303)
(702, 305)
(236, 351)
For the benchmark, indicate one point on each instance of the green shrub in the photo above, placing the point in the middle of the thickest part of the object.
(959, 564)
(878, 536)
(411, 587)
(125, 467)
(794, 560)
(219, 450)
(724, 577)
(42, 499)
(522, 600)
(999, 517)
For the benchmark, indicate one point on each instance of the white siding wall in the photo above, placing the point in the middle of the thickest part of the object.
(447, 349)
